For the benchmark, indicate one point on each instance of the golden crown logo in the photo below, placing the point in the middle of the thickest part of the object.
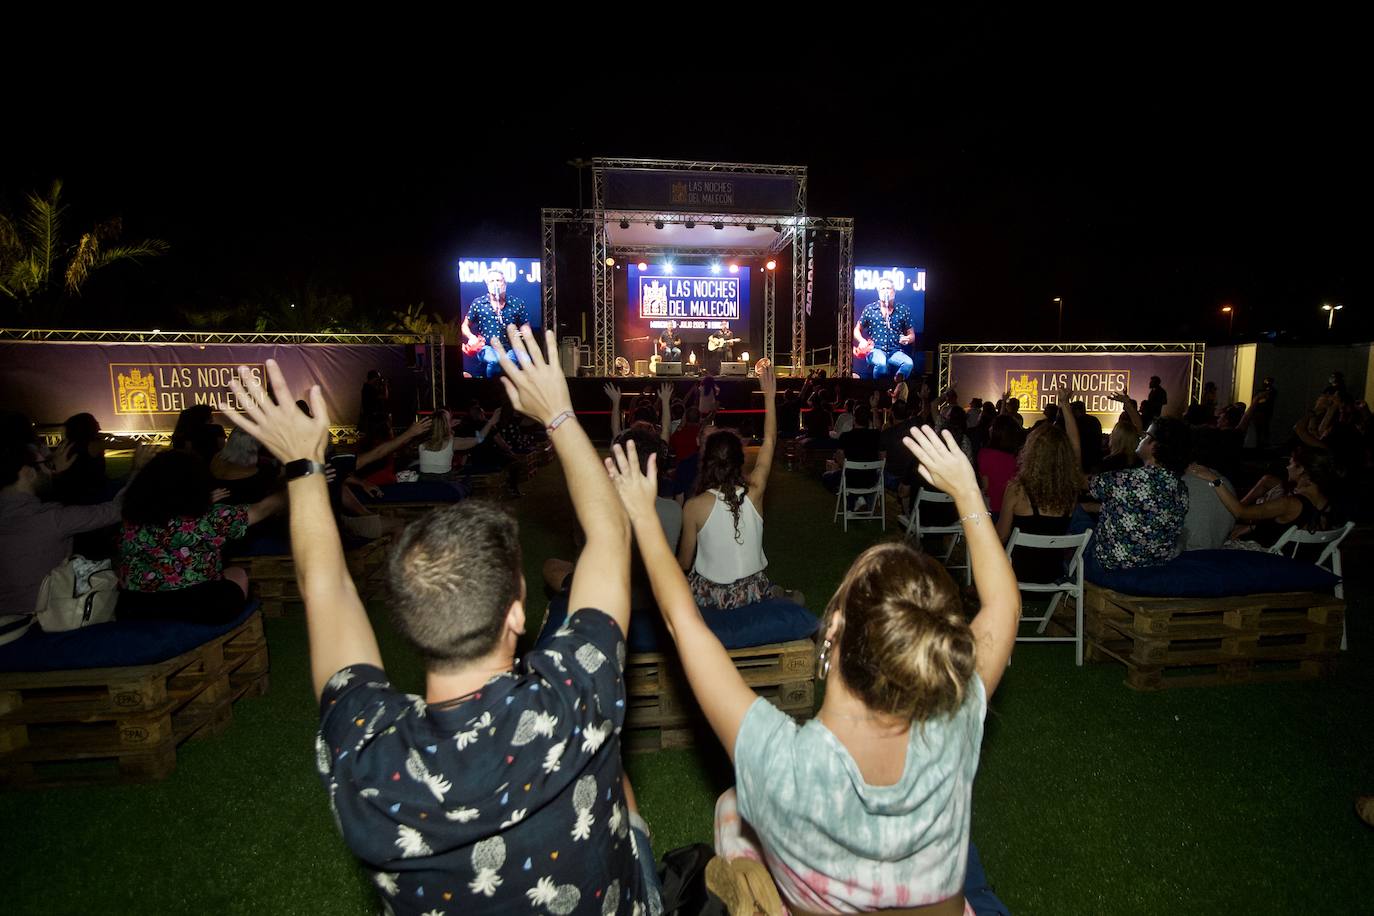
(677, 192)
(137, 392)
(1025, 389)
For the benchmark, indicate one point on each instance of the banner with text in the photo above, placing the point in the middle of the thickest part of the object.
(141, 387)
(700, 192)
(1036, 379)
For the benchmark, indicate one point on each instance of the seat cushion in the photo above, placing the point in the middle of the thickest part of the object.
(760, 624)
(1213, 574)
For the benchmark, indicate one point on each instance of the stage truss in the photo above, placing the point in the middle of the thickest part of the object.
(1194, 349)
(795, 232)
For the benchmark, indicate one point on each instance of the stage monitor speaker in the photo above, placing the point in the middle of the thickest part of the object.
(641, 367)
(734, 368)
(666, 368)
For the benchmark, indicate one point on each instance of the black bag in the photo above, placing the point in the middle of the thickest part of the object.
(683, 876)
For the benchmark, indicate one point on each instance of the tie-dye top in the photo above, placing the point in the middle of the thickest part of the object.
(834, 843)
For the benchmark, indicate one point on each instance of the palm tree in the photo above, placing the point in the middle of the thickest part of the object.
(38, 267)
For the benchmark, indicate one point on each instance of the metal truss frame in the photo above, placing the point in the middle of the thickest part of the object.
(1196, 349)
(799, 172)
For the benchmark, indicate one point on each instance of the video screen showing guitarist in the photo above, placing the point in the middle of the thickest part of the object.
(670, 343)
(720, 345)
(881, 332)
(487, 319)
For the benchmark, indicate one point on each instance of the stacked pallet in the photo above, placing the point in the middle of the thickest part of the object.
(272, 578)
(662, 712)
(103, 725)
(1202, 642)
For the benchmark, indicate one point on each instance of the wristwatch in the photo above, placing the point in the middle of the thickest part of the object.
(1215, 483)
(303, 467)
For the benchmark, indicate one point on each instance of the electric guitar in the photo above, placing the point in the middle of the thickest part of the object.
(714, 343)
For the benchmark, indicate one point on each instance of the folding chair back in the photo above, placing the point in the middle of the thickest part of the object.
(875, 495)
(1070, 585)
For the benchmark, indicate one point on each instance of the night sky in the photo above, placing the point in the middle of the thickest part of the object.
(1147, 187)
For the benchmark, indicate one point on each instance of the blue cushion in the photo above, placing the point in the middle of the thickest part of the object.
(261, 544)
(117, 644)
(759, 624)
(1212, 574)
(421, 491)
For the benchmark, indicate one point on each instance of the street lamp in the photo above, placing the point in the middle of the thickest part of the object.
(1059, 301)
(1230, 314)
(1331, 311)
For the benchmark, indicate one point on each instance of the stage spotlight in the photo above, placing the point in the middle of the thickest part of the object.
(771, 265)
(734, 268)
(624, 224)
(667, 267)
(658, 224)
(690, 224)
(643, 266)
(749, 226)
(610, 262)
(717, 225)
(715, 267)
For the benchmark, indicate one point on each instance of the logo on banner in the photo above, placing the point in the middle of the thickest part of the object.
(137, 393)
(655, 299)
(1025, 389)
(150, 388)
(677, 194)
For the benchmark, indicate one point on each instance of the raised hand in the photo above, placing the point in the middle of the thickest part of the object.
(942, 463)
(612, 392)
(665, 392)
(280, 425)
(535, 385)
(768, 383)
(637, 491)
(419, 428)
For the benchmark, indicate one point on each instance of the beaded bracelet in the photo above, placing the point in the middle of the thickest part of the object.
(975, 517)
(559, 420)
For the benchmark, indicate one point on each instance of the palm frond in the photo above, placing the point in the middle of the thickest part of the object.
(43, 223)
(148, 248)
(11, 246)
(82, 263)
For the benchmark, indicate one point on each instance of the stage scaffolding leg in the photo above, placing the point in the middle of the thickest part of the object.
(844, 315)
(798, 302)
(603, 320)
(548, 264)
(770, 315)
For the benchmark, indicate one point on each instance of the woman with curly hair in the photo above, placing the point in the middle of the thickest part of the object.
(1040, 498)
(721, 547)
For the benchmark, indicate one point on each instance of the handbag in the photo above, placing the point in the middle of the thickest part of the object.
(78, 593)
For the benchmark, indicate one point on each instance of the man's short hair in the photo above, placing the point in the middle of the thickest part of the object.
(454, 575)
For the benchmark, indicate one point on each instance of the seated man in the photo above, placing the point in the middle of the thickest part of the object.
(502, 788)
(1144, 508)
(35, 534)
(669, 343)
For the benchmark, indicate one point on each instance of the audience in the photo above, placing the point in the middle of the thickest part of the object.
(436, 453)
(1040, 499)
(237, 469)
(860, 443)
(997, 460)
(170, 560)
(1311, 506)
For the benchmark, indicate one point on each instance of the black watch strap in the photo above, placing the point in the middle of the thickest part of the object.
(303, 467)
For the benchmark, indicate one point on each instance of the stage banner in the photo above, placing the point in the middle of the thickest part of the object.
(699, 297)
(1036, 378)
(700, 192)
(141, 387)
(480, 279)
(908, 291)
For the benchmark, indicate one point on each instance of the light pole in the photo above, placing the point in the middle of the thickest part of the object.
(1230, 314)
(1059, 301)
(1331, 311)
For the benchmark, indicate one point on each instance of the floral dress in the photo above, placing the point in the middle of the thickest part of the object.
(183, 552)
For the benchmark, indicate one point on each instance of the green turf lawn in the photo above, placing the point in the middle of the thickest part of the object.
(1090, 798)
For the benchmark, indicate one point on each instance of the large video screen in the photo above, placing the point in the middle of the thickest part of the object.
(890, 312)
(698, 297)
(506, 287)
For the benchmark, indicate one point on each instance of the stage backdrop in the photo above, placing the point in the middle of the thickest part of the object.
(522, 282)
(909, 287)
(1033, 372)
(695, 296)
(700, 192)
(141, 387)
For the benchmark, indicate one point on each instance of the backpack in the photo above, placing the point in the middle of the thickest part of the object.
(78, 593)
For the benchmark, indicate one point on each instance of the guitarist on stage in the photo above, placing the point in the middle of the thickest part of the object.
(720, 345)
(669, 343)
(887, 324)
(486, 322)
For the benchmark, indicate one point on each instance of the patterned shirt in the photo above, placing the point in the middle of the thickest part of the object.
(181, 553)
(834, 843)
(483, 320)
(1143, 510)
(506, 800)
(884, 331)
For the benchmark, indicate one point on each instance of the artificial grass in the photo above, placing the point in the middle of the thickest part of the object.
(1090, 798)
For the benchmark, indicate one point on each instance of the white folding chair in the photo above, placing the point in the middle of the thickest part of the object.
(1071, 585)
(875, 495)
(917, 531)
(1329, 558)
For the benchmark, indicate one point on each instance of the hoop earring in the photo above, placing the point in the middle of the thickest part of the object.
(823, 661)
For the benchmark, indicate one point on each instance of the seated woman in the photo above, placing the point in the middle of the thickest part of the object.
(1310, 506)
(722, 526)
(868, 805)
(997, 460)
(436, 453)
(170, 563)
(1122, 445)
(1041, 498)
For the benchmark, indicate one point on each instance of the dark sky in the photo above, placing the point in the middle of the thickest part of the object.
(1147, 185)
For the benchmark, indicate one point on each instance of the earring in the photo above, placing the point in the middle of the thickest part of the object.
(823, 661)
